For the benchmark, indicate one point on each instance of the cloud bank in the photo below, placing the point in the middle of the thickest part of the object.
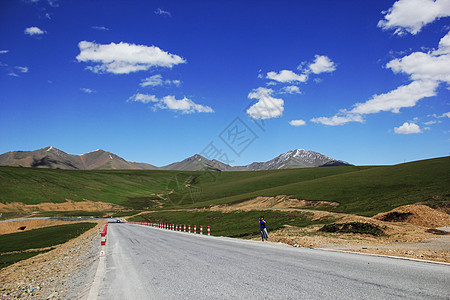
(426, 70)
(185, 105)
(124, 58)
(412, 15)
(266, 107)
(34, 31)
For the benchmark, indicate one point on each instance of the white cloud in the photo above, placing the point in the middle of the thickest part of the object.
(407, 128)
(124, 58)
(13, 74)
(22, 69)
(101, 28)
(444, 115)
(87, 90)
(4, 51)
(297, 122)
(267, 106)
(143, 98)
(338, 119)
(426, 70)
(287, 76)
(322, 64)
(156, 80)
(430, 122)
(53, 3)
(34, 31)
(291, 89)
(47, 15)
(434, 65)
(411, 15)
(159, 11)
(403, 96)
(318, 80)
(185, 105)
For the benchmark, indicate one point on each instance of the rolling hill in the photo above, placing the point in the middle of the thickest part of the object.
(361, 190)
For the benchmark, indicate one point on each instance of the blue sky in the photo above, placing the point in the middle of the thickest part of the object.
(238, 81)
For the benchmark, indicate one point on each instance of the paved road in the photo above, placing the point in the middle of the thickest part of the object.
(149, 263)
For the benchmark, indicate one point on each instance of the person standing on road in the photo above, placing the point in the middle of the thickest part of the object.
(263, 229)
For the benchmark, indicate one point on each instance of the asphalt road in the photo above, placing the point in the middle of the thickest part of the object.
(149, 263)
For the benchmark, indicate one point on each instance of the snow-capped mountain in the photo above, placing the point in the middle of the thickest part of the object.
(299, 158)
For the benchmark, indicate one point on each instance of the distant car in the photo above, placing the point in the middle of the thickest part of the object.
(118, 221)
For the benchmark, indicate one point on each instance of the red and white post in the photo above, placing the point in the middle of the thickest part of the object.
(195, 228)
(189, 228)
(201, 229)
(209, 230)
(184, 228)
(103, 241)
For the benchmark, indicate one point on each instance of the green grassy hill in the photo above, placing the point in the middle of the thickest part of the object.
(360, 190)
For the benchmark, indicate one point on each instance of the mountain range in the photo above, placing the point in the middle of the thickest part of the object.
(53, 158)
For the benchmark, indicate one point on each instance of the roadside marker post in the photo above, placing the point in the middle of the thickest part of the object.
(184, 227)
(103, 240)
(209, 230)
(103, 243)
(201, 229)
(195, 229)
(189, 228)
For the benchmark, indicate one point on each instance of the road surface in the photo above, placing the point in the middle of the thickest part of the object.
(149, 263)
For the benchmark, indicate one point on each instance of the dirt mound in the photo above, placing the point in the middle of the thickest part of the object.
(353, 227)
(420, 215)
(277, 202)
(69, 205)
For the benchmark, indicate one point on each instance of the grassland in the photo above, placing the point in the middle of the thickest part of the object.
(23, 243)
(233, 224)
(42, 237)
(9, 259)
(359, 190)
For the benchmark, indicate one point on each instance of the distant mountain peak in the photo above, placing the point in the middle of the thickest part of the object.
(297, 158)
(53, 158)
(96, 150)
